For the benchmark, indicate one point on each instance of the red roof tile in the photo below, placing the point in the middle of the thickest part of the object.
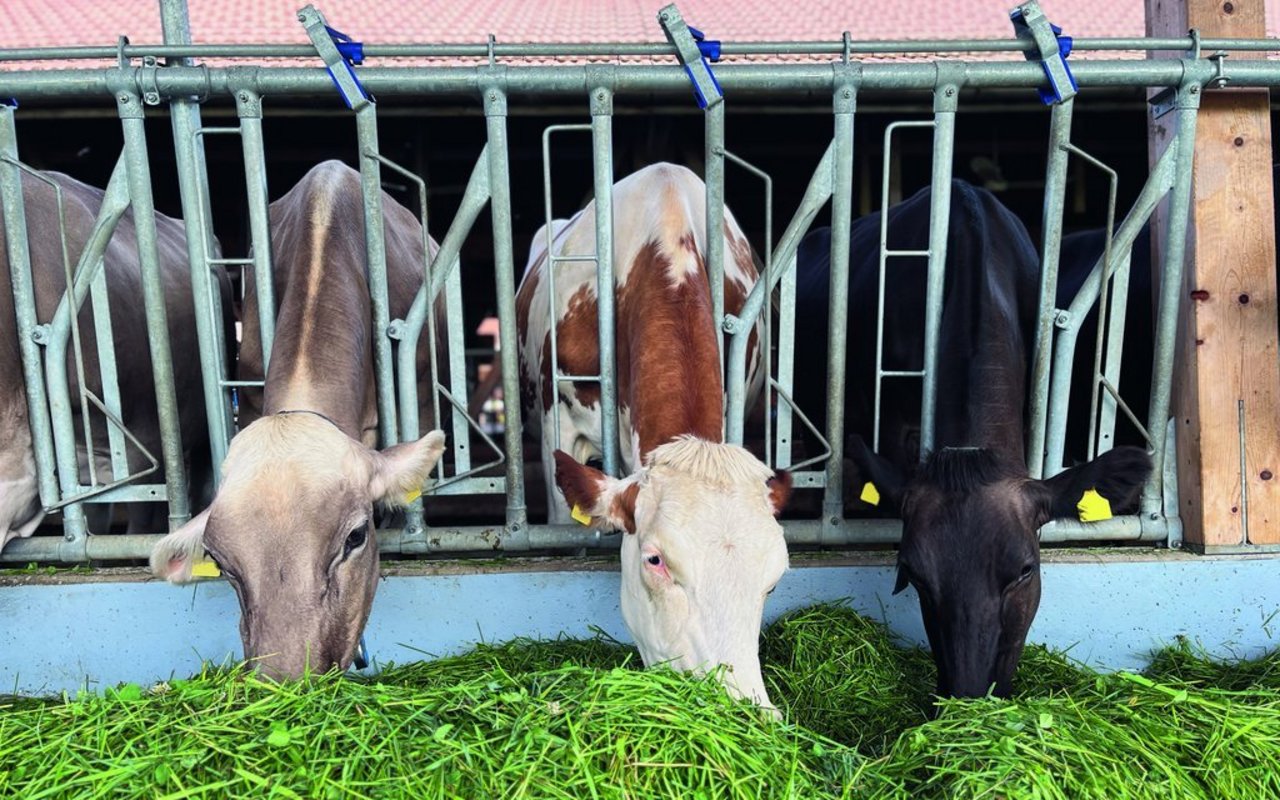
(28, 23)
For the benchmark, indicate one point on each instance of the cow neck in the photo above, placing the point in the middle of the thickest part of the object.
(669, 374)
(322, 359)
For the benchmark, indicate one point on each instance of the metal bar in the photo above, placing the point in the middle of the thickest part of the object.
(1055, 188)
(249, 110)
(488, 538)
(1188, 106)
(442, 265)
(844, 104)
(193, 190)
(713, 182)
(815, 197)
(144, 220)
(495, 109)
(552, 260)
(832, 47)
(101, 304)
(883, 272)
(376, 266)
(606, 297)
(767, 348)
(1069, 322)
(944, 117)
(639, 79)
(1096, 376)
(24, 299)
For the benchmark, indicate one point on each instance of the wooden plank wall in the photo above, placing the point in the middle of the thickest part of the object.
(1228, 375)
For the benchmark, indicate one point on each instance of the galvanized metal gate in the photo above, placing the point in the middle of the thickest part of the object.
(134, 85)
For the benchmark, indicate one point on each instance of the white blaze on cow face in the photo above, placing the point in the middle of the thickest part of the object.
(705, 551)
(292, 530)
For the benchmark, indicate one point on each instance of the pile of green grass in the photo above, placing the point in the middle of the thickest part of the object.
(580, 719)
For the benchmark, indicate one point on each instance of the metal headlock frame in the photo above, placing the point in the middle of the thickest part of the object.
(185, 86)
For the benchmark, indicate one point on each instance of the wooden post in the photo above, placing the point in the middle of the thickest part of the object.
(1228, 378)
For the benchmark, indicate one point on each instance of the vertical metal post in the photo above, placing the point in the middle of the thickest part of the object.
(24, 300)
(249, 109)
(713, 126)
(844, 104)
(1188, 106)
(945, 98)
(376, 263)
(193, 188)
(602, 170)
(495, 110)
(144, 220)
(1055, 188)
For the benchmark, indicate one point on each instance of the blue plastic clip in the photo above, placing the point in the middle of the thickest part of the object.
(709, 49)
(1052, 51)
(11, 102)
(353, 52)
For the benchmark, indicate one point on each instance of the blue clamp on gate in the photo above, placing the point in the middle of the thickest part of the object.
(11, 102)
(1052, 49)
(694, 51)
(339, 54)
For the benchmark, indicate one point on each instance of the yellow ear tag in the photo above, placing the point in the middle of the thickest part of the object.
(580, 515)
(205, 568)
(870, 494)
(1093, 507)
(413, 495)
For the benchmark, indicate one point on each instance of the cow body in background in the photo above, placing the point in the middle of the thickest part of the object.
(20, 508)
(703, 546)
(292, 526)
(970, 513)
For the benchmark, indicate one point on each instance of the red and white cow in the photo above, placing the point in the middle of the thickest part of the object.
(706, 547)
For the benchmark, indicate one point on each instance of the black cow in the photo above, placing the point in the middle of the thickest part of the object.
(970, 513)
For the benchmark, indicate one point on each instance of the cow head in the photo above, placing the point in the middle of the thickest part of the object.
(703, 550)
(971, 550)
(292, 530)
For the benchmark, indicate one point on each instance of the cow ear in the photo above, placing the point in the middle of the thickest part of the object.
(887, 484)
(1117, 476)
(594, 498)
(779, 490)
(901, 582)
(173, 556)
(400, 471)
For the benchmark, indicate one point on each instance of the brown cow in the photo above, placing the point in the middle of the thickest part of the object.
(20, 508)
(706, 548)
(292, 524)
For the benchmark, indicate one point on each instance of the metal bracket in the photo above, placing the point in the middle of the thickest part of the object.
(693, 50)
(1220, 77)
(946, 93)
(147, 81)
(121, 60)
(339, 53)
(846, 81)
(1170, 99)
(1052, 49)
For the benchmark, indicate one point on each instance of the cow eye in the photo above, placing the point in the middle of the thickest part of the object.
(654, 560)
(1027, 572)
(354, 540)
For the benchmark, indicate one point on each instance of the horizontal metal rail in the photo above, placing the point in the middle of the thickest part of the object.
(557, 537)
(177, 82)
(833, 47)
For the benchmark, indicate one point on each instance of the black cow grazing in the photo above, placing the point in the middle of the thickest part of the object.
(970, 512)
(20, 509)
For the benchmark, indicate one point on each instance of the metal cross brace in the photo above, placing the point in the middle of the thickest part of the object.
(338, 53)
(1052, 49)
(693, 50)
